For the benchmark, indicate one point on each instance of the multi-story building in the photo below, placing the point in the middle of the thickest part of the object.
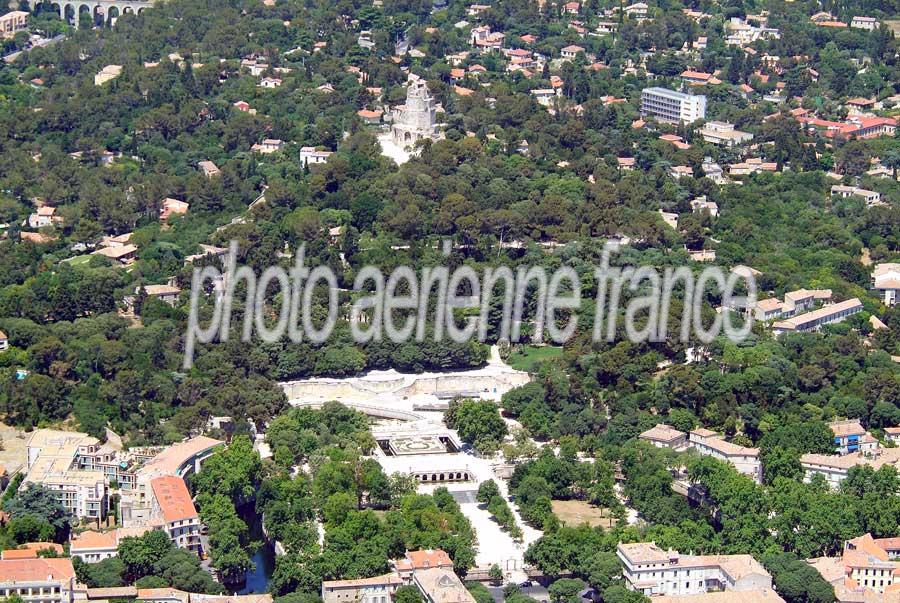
(756, 596)
(835, 467)
(652, 571)
(811, 321)
(431, 571)
(173, 595)
(12, 23)
(744, 459)
(172, 503)
(40, 580)
(886, 280)
(81, 470)
(723, 133)
(867, 570)
(671, 106)
(850, 436)
(380, 589)
(802, 300)
(664, 436)
(94, 547)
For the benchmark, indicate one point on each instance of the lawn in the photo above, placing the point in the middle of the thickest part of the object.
(80, 260)
(576, 512)
(529, 357)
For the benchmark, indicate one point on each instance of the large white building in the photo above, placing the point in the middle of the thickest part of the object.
(40, 580)
(671, 106)
(744, 459)
(835, 467)
(811, 321)
(80, 470)
(172, 505)
(867, 570)
(652, 571)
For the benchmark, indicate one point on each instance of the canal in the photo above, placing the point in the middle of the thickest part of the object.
(257, 581)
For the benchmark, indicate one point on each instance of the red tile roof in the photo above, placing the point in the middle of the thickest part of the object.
(173, 498)
(36, 570)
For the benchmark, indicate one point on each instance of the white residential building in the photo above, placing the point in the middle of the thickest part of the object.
(40, 580)
(309, 155)
(94, 547)
(44, 216)
(867, 23)
(671, 106)
(664, 436)
(269, 145)
(744, 459)
(723, 133)
(870, 197)
(702, 204)
(652, 571)
(850, 436)
(172, 503)
(886, 280)
(866, 571)
(811, 321)
(835, 468)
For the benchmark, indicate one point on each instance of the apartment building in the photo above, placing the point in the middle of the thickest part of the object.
(81, 470)
(173, 595)
(172, 503)
(39, 580)
(767, 309)
(724, 134)
(866, 571)
(849, 436)
(835, 467)
(802, 300)
(379, 589)
(886, 280)
(431, 571)
(94, 547)
(811, 321)
(652, 571)
(744, 459)
(53, 460)
(753, 596)
(671, 106)
(664, 436)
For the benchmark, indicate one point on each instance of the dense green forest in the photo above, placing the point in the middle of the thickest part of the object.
(107, 156)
